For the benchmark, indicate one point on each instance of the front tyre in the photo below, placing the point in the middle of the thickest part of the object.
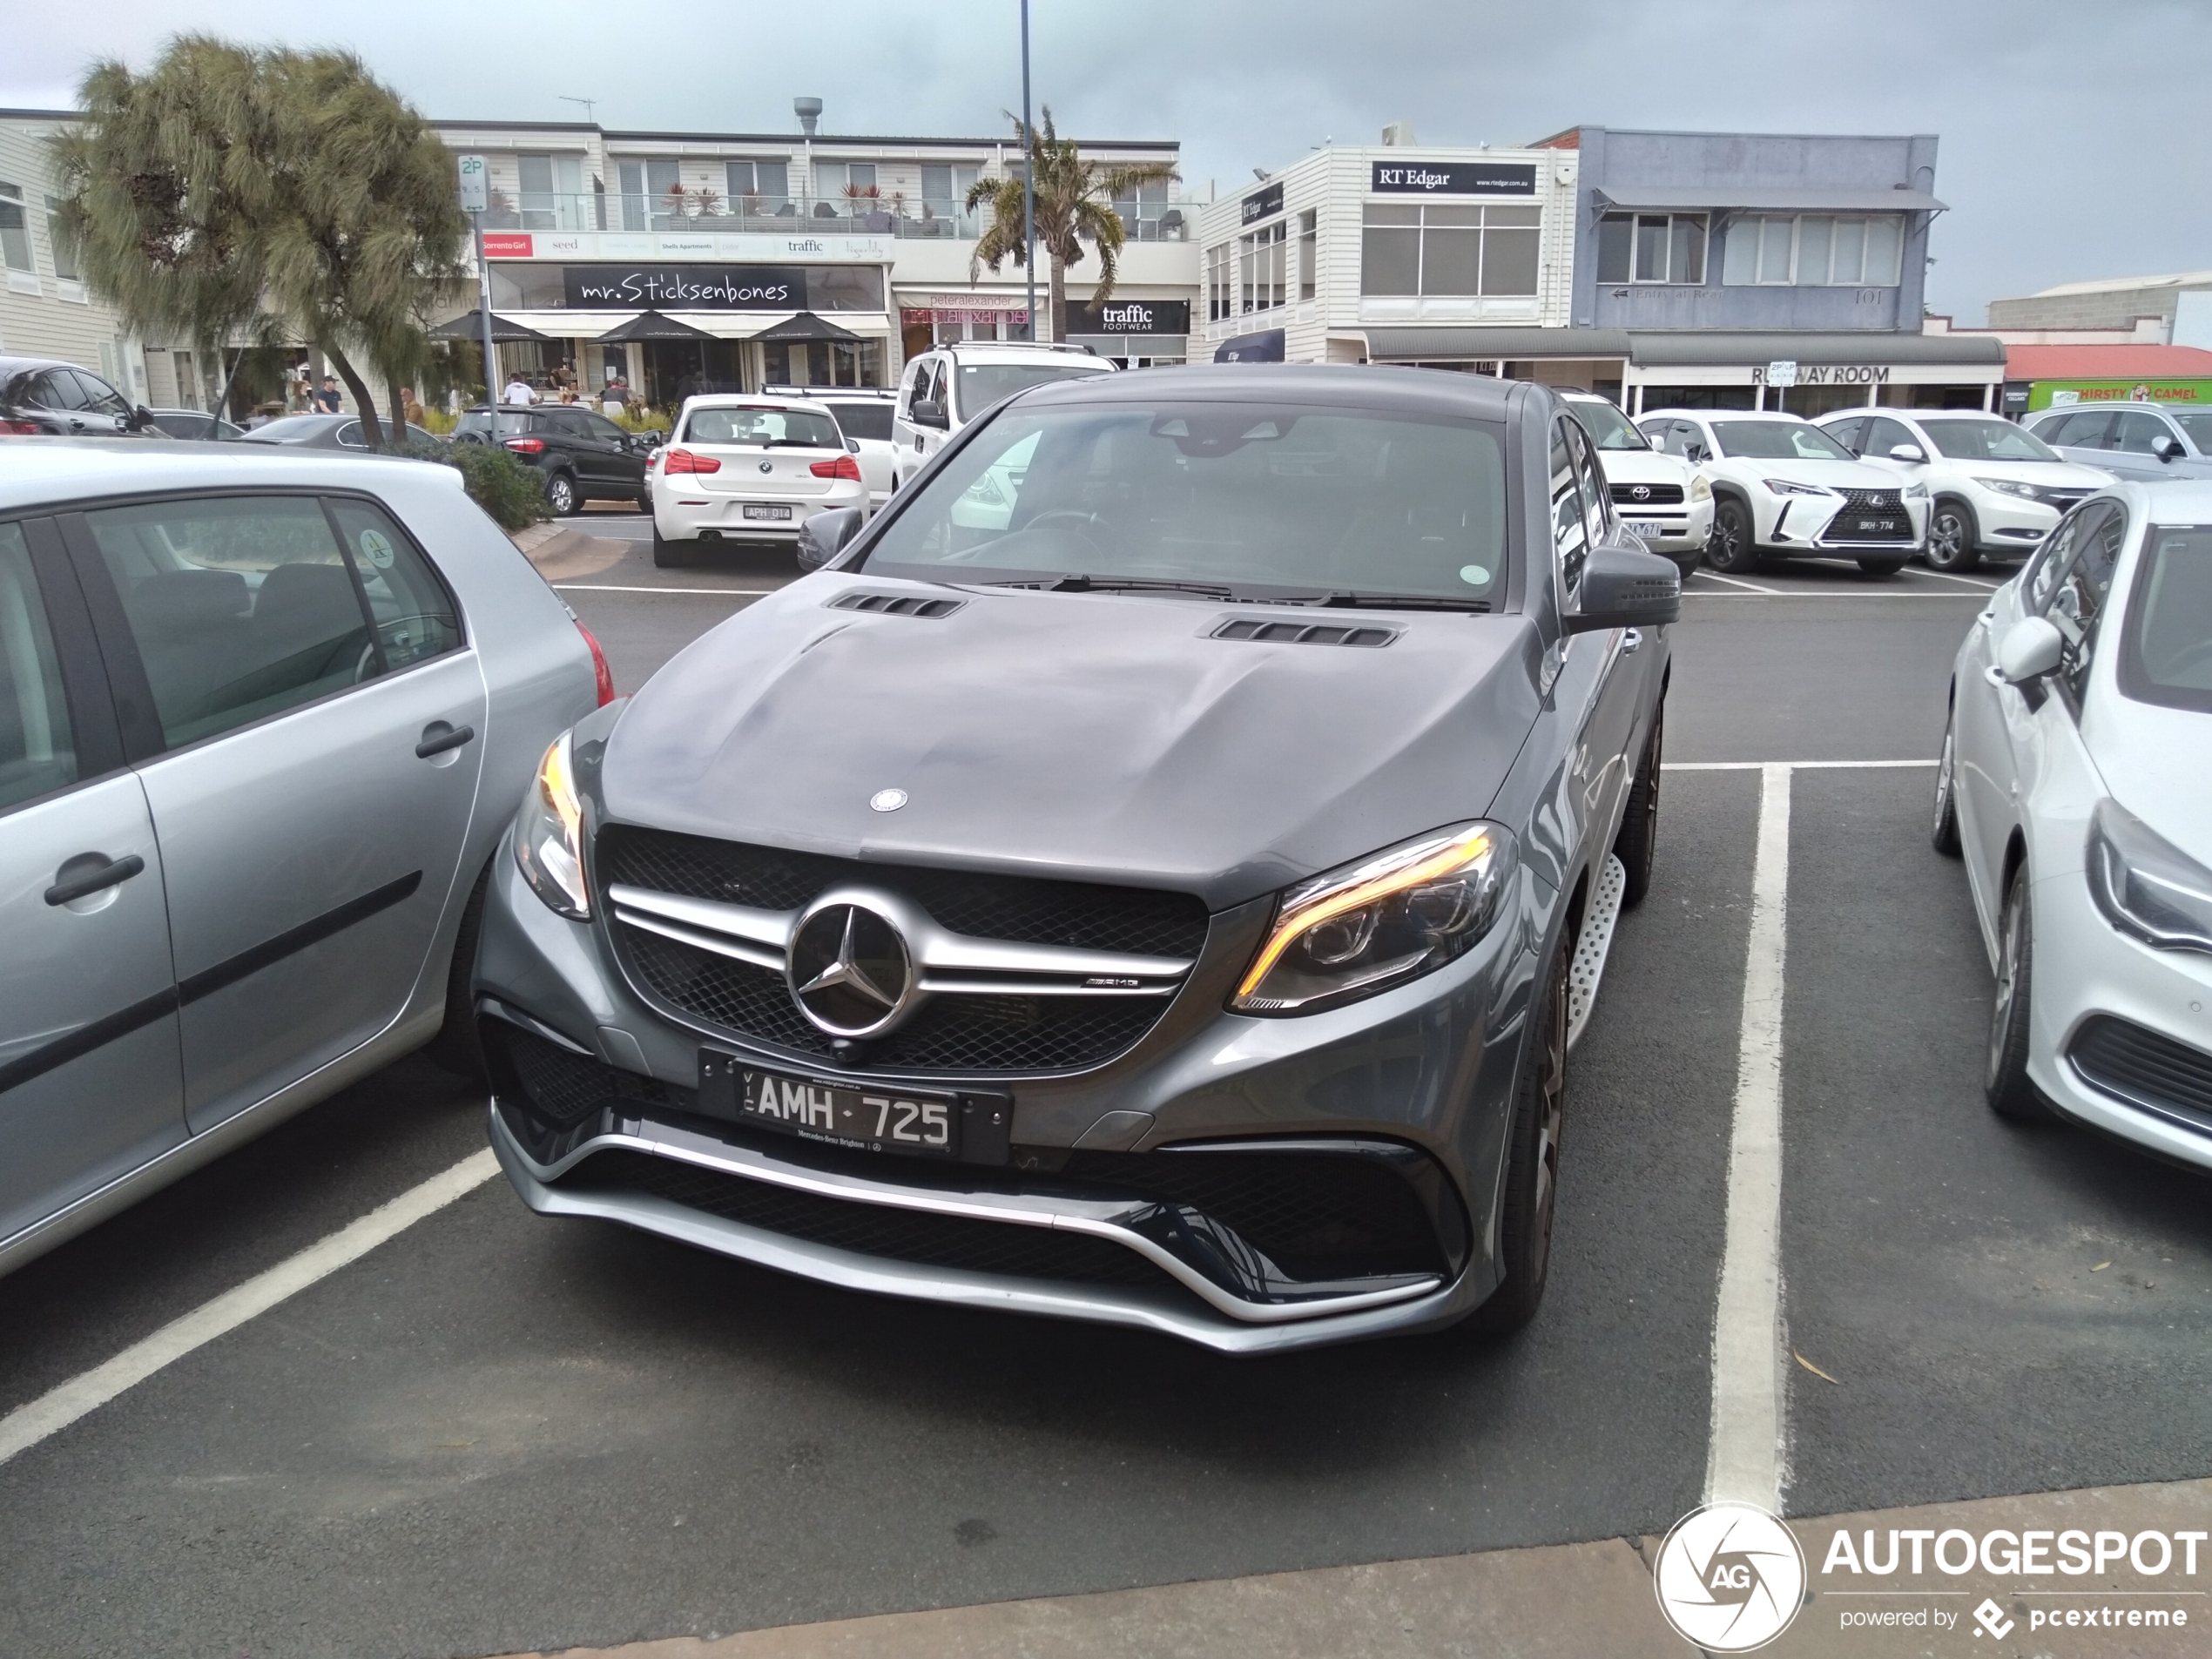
(561, 494)
(1532, 1156)
(1943, 831)
(1952, 538)
(1638, 842)
(1731, 549)
(2004, 1080)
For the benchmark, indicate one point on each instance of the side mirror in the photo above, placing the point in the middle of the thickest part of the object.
(1625, 589)
(823, 537)
(851, 446)
(1694, 454)
(2030, 649)
(1907, 452)
(2165, 446)
(927, 412)
(141, 418)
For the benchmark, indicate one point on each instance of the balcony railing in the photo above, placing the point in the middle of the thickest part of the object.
(707, 211)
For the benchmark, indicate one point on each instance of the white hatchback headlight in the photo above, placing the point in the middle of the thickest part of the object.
(2008, 487)
(2147, 887)
(548, 836)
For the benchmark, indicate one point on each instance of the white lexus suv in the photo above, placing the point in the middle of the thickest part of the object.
(2066, 782)
(948, 385)
(751, 468)
(1994, 488)
(1662, 498)
(1784, 489)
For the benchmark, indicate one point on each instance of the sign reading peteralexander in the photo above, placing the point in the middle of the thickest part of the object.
(1129, 317)
(1452, 179)
(1263, 204)
(684, 287)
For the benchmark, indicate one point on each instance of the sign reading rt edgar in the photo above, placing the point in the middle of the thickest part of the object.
(684, 288)
(1454, 179)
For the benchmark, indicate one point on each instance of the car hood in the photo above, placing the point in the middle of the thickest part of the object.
(1086, 736)
(2134, 745)
(1643, 467)
(2046, 474)
(1835, 475)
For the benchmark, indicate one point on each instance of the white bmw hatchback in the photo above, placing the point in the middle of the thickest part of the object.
(2076, 781)
(747, 469)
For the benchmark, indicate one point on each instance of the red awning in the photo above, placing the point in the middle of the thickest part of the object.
(2106, 363)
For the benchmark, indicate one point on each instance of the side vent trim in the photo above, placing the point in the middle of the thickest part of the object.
(897, 604)
(1303, 633)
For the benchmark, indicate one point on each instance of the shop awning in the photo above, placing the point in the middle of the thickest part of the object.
(710, 325)
(1676, 349)
(470, 326)
(1788, 199)
(652, 325)
(806, 325)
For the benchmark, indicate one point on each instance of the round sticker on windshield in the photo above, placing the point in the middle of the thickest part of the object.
(1474, 575)
(378, 546)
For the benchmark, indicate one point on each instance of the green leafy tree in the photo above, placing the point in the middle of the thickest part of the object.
(1075, 205)
(286, 193)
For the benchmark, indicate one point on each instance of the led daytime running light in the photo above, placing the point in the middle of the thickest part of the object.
(1297, 921)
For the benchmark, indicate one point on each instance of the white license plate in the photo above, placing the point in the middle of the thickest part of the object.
(757, 510)
(1647, 527)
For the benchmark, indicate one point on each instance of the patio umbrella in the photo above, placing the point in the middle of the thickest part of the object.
(470, 326)
(805, 326)
(651, 325)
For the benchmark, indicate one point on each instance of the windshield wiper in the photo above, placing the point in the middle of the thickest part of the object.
(1387, 602)
(1117, 585)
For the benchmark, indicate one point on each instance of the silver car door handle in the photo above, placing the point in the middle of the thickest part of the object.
(1630, 640)
(435, 742)
(114, 873)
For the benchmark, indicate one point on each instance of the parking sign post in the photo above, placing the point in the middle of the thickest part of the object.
(475, 198)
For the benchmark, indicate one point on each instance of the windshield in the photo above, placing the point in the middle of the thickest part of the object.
(2198, 424)
(765, 426)
(984, 384)
(1246, 496)
(1776, 440)
(1987, 441)
(869, 419)
(2166, 657)
(1607, 426)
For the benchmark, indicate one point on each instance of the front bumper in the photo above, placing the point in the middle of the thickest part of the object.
(682, 517)
(2009, 524)
(2087, 975)
(1805, 524)
(1677, 528)
(1425, 1071)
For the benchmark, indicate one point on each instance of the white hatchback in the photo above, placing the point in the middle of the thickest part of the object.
(1784, 489)
(1994, 488)
(1662, 498)
(2076, 781)
(749, 469)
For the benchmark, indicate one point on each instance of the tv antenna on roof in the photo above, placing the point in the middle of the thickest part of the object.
(589, 104)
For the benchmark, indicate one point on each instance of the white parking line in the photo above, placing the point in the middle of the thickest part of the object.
(1745, 1454)
(1964, 580)
(1715, 576)
(612, 587)
(61, 1406)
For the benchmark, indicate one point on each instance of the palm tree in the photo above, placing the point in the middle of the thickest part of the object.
(1075, 205)
(230, 186)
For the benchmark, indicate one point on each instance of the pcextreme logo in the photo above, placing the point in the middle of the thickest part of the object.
(1729, 1577)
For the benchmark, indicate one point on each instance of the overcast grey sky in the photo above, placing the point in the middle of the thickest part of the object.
(2073, 140)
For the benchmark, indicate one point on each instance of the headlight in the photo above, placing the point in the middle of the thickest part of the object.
(1701, 487)
(2009, 487)
(1367, 926)
(1783, 487)
(1915, 491)
(548, 836)
(2147, 887)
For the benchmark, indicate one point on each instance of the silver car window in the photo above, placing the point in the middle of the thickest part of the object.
(2166, 655)
(38, 754)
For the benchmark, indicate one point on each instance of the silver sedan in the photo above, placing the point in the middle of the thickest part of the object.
(263, 719)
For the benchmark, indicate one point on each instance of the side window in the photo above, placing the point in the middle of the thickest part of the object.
(1569, 537)
(99, 396)
(604, 429)
(2135, 432)
(38, 754)
(2084, 429)
(1847, 433)
(57, 389)
(350, 435)
(1696, 445)
(414, 617)
(2077, 608)
(241, 606)
(1596, 495)
(2049, 563)
(1883, 435)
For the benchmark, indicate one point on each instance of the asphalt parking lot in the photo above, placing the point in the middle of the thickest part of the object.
(495, 1434)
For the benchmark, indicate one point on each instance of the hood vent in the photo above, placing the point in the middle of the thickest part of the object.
(897, 604)
(1303, 633)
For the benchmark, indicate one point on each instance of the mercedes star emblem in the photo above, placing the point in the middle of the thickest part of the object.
(888, 800)
(849, 970)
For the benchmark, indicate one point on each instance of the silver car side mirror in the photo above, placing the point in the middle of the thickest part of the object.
(1907, 452)
(2166, 446)
(2030, 649)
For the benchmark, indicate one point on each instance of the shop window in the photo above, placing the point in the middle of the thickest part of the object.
(1651, 247)
(1813, 250)
(1430, 249)
(1261, 278)
(1220, 264)
(1309, 252)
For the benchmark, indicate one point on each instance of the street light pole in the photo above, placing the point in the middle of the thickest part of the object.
(1028, 177)
(483, 311)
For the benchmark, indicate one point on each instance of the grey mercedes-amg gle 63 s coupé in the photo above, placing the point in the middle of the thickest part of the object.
(1153, 872)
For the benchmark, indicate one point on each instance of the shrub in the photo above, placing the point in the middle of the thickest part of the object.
(512, 493)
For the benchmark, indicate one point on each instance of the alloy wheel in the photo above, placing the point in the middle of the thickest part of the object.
(2008, 962)
(1944, 764)
(1947, 539)
(560, 495)
(1553, 1096)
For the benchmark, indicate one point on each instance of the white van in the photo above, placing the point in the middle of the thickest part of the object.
(948, 385)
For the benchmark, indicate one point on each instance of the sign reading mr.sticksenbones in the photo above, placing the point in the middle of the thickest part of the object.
(1454, 179)
(685, 287)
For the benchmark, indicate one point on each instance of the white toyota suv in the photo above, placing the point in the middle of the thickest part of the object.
(1784, 489)
(1994, 488)
(1661, 497)
(864, 416)
(948, 385)
(748, 468)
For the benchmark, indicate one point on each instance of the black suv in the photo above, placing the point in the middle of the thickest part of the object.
(41, 397)
(584, 456)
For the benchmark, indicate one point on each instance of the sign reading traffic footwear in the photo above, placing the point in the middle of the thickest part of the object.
(685, 287)
(1129, 317)
(1448, 179)
(1262, 203)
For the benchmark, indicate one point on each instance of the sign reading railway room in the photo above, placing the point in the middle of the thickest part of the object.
(1452, 179)
(1783, 373)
